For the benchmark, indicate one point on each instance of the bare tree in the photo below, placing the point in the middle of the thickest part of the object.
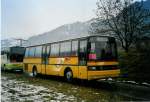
(125, 19)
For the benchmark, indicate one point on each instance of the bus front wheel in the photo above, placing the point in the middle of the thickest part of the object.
(69, 75)
(34, 72)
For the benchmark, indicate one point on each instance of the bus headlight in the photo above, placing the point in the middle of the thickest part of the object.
(91, 68)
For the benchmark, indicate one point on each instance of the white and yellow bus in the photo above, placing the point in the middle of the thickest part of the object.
(12, 58)
(90, 58)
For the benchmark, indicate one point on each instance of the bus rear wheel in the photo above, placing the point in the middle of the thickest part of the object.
(69, 76)
(34, 72)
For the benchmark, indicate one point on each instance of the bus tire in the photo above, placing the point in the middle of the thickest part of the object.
(68, 75)
(34, 72)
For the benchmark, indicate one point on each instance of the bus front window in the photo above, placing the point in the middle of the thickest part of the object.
(101, 48)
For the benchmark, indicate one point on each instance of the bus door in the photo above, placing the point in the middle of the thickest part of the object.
(83, 59)
(45, 55)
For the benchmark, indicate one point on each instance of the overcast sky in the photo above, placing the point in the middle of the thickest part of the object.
(24, 18)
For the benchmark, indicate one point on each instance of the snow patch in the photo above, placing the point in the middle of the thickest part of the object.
(19, 91)
(144, 83)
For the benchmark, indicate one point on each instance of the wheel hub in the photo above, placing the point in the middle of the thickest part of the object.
(69, 75)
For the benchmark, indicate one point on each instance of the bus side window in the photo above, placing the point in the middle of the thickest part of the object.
(65, 48)
(74, 48)
(31, 52)
(83, 52)
(27, 52)
(54, 50)
(38, 51)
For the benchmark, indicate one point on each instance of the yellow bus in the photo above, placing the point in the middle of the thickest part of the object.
(90, 58)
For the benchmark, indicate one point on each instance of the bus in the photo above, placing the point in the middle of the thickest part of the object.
(89, 58)
(12, 58)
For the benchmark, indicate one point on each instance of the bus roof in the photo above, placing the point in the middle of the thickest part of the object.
(67, 39)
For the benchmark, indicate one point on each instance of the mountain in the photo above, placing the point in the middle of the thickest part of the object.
(68, 31)
(64, 32)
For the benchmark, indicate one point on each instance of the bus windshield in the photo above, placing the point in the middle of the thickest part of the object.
(16, 54)
(102, 48)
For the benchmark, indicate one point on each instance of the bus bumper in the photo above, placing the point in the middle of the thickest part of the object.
(95, 75)
(13, 67)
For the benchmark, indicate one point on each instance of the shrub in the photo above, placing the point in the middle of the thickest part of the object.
(136, 64)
